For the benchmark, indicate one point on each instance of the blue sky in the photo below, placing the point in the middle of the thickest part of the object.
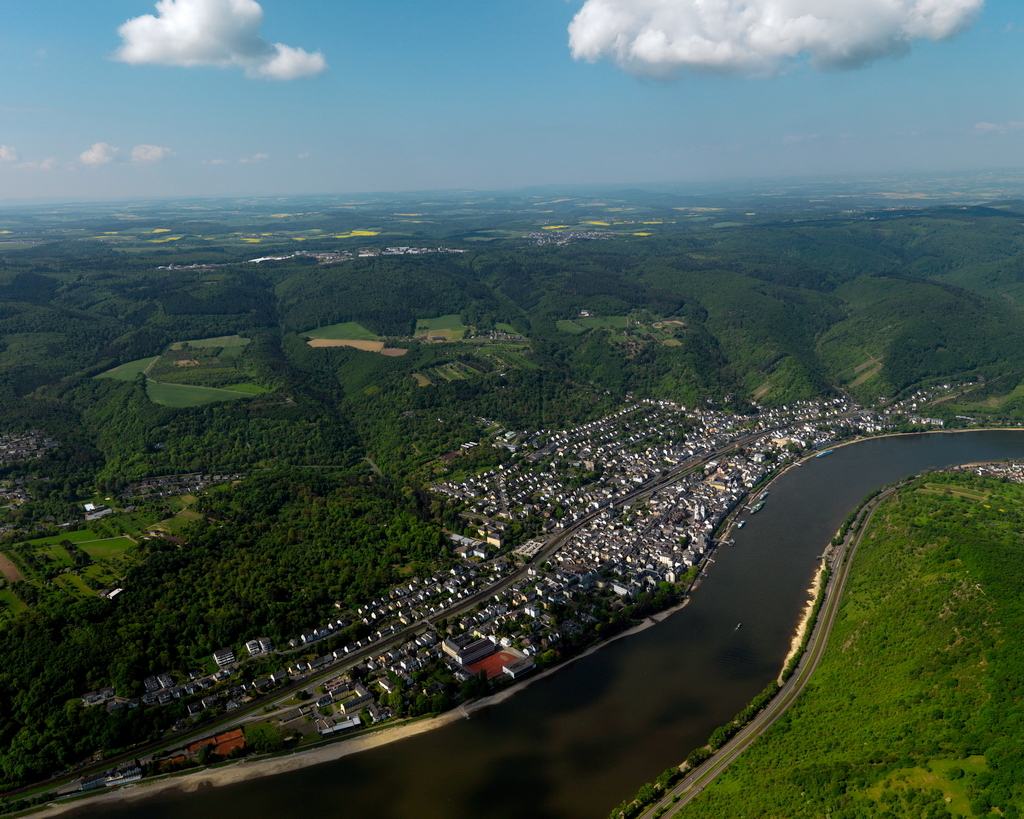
(199, 98)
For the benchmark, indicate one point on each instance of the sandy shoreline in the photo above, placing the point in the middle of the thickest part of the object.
(805, 618)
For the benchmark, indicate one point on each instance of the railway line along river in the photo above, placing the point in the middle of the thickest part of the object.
(574, 745)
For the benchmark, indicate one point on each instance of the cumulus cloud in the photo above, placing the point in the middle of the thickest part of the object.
(254, 158)
(213, 32)
(150, 153)
(8, 154)
(758, 37)
(99, 154)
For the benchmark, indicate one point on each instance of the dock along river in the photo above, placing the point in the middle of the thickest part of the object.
(574, 745)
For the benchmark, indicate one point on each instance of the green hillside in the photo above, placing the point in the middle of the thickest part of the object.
(934, 600)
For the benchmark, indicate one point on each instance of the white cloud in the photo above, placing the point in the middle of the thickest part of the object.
(985, 128)
(254, 158)
(99, 154)
(758, 37)
(150, 153)
(47, 164)
(213, 32)
(8, 154)
(215, 162)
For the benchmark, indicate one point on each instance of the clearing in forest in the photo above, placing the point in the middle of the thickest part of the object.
(186, 395)
(129, 370)
(345, 330)
(446, 328)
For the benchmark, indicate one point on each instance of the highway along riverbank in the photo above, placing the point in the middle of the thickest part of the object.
(577, 743)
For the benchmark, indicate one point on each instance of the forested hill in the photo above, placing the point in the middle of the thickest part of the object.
(527, 320)
(934, 600)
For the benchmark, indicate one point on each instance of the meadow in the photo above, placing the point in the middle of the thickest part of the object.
(345, 330)
(449, 327)
(129, 371)
(186, 395)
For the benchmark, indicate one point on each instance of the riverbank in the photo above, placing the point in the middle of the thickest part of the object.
(246, 770)
(805, 619)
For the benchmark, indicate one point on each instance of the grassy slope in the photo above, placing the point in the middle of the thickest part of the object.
(183, 395)
(920, 681)
(129, 371)
(348, 329)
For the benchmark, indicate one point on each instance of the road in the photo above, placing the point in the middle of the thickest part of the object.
(692, 785)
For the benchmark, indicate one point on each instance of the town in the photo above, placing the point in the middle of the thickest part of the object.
(614, 521)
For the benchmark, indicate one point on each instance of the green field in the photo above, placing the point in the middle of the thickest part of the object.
(78, 536)
(505, 328)
(175, 525)
(182, 395)
(216, 341)
(57, 553)
(449, 327)
(514, 357)
(96, 548)
(349, 330)
(10, 599)
(604, 322)
(231, 352)
(130, 370)
(74, 583)
(247, 388)
(108, 547)
(584, 323)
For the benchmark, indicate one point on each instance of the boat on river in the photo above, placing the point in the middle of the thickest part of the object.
(757, 508)
(741, 524)
(823, 454)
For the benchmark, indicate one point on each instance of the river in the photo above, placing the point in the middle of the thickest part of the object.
(576, 744)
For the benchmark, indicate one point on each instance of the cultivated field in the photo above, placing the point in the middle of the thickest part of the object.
(128, 371)
(449, 327)
(346, 330)
(359, 344)
(218, 341)
(184, 395)
(9, 570)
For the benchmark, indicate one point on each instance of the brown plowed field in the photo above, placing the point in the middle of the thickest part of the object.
(9, 570)
(359, 344)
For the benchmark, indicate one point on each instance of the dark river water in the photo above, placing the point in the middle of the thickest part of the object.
(574, 745)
